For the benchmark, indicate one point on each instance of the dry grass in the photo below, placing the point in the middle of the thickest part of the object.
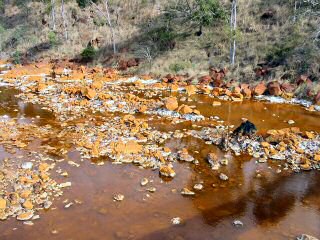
(193, 55)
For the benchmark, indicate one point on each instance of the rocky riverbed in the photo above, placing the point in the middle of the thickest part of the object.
(167, 128)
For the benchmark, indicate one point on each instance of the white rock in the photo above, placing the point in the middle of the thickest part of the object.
(118, 197)
(223, 177)
(144, 181)
(198, 186)
(176, 221)
(237, 223)
(66, 184)
(27, 165)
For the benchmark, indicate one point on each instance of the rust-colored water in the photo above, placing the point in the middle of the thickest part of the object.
(275, 206)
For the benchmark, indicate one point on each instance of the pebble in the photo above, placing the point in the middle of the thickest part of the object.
(29, 223)
(187, 192)
(27, 165)
(25, 216)
(198, 186)
(144, 182)
(151, 189)
(223, 177)
(66, 184)
(176, 221)
(72, 163)
(238, 223)
(68, 205)
(118, 197)
(291, 122)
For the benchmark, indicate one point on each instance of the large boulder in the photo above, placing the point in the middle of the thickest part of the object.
(317, 98)
(171, 103)
(191, 89)
(259, 89)
(247, 93)
(205, 79)
(287, 87)
(274, 88)
(88, 92)
(246, 128)
(184, 109)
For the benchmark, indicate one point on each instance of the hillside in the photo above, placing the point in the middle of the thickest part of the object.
(271, 34)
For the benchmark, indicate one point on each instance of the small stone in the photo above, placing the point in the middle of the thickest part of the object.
(291, 122)
(238, 223)
(25, 216)
(176, 221)
(28, 205)
(66, 184)
(187, 192)
(72, 163)
(198, 186)
(167, 171)
(118, 197)
(151, 189)
(29, 223)
(223, 177)
(27, 165)
(68, 205)
(216, 103)
(224, 162)
(144, 182)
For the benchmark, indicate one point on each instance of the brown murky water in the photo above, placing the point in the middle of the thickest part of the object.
(275, 206)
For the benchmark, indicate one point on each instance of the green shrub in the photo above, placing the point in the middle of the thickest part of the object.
(207, 12)
(98, 21)
(52, 38)
(280, 52)
(88, 54)
(179, 66)
(163, 37)
(1, 6)
(16, 57)
(85, 3)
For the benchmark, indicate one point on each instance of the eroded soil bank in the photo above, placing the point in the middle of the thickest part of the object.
(95, 167)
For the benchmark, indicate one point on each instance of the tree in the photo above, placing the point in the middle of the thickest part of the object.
(233, 26)
(106, 15)
(64, 20)
(53, 15)
(201, 13)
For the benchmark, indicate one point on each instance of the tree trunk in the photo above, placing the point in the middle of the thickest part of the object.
(111, 27)
(53, 15)
(64, 20)
(233, 26)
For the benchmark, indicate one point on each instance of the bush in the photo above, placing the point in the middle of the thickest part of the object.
(16, 57)
(164, 38)
(280, 52)
(88, 54)
(85, 3)
(207, 12)
(177, 67)
(52, 38)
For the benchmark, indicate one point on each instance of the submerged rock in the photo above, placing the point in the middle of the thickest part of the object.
(187, 192)
(246, 128)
